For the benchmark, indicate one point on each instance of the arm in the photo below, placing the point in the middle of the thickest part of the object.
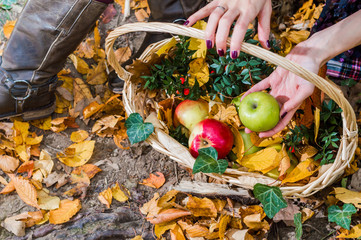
(291, 90)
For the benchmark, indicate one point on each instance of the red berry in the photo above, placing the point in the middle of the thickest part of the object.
(186, 91)
(212, 71)
(182, 80)
(225, 68)
(177, 92)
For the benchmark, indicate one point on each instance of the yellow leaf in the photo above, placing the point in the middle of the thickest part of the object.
(176, 233)
(196, 44)
(77, 154)
(23, 151)
(165, 48)
(89, 169)
(308, 152)
(154, 181)
(98, 74)
(34, 141)
(235, 234)
(105, 197)
(168, 199)
(317, 122)
(44, 219)
(306, 214)
(238, 144)
(198, 69)
(255, 222)
(79, 136)
(219, 203)
(66, 210)
(25, 190)
(86, 48)
(80, 65)
(302, 170)
(150, 208)
(285, 162)
(48, 202)
(61, 104)
(81, 90)
(43, 124)
(8, 163)
(118, 194)
(137, 238)
(355, 232)
(263, 160)
(33, 218)
(97, 35)
(160, 229)
(201, 207)
(22, 131)
(227, 114)
(223, 222)
(265, 142)
(8, 28)
(167, 215)
(348, 196)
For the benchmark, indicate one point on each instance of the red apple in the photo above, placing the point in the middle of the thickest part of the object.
(189, 113)
(211, 133)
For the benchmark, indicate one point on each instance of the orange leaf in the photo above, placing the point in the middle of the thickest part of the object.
(89, 169)
(141, 15)
(27, 167)
(150, 208)
(106, 197)
(223, 222)
(122, 54)
(168, 215)
(91, 109)
(176, 233)
(8, 28)
(66, 210)
(167, 200)
(10, 187)
(195, 230)
(201, 207)
(154, 181)
(8, 163)
(25, 190)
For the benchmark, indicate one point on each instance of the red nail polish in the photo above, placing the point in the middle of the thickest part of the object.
(220, 52)
(234, 54)
(209, 44)
(186, 23)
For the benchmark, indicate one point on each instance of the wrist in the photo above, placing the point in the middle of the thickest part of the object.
(315, 50)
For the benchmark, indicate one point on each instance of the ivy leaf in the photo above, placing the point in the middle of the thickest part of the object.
(7, 4)
(207, 162)
(341, 217)
(270, 197)
(297, 219)
(137, 130)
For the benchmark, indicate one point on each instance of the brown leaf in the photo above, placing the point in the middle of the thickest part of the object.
(168, 215)
(66, 210)
(89, 169)
(168, 198)
(154, 181)
(160, 229)
(80, 65)
(176, 233)
(150, 208)
(91, 109)
(122, 54)
(201, 207)
(86, 48)
(308, 152)
(141, 15)
(285, 162)
(97, 75)
(27, 167)
(223, 222)
(226, 114)
(8, 163)
(25, 190)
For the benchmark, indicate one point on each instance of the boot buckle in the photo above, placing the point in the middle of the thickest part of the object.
(27, 93)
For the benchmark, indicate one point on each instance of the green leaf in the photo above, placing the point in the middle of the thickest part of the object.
(270, 197)
(137, 130)
(341, 217)
(297, 219)
(207, 162)
(7, 4)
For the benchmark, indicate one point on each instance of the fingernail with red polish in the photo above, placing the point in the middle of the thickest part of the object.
(186, 23)
(220, 52)
(268, 44)
(209, 44)
(234, 54)
(284, 114)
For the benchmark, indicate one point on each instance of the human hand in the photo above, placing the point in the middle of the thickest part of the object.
(288, 89)
(222, 14)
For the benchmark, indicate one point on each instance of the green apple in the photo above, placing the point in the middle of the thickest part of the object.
(274, 173)
(259, 112)
(249, 148)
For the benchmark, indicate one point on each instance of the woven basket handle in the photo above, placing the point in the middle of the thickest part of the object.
(326, 86)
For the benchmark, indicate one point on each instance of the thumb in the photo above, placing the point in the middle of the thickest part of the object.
(262, 85)
(264, 22)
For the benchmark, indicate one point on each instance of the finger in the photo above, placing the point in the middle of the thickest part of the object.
(212, 24)
(262, 85)
(264, 24)
(201, 13)
(295, 101)
(239, 30)
(247, 130)
(280, 126)
(224, 27)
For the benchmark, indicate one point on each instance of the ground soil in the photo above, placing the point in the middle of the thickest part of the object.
(128, 167)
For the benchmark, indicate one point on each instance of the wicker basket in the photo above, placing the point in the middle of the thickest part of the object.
(165, 144)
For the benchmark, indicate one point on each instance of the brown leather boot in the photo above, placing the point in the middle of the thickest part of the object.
(45, 34)
(160, 11)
